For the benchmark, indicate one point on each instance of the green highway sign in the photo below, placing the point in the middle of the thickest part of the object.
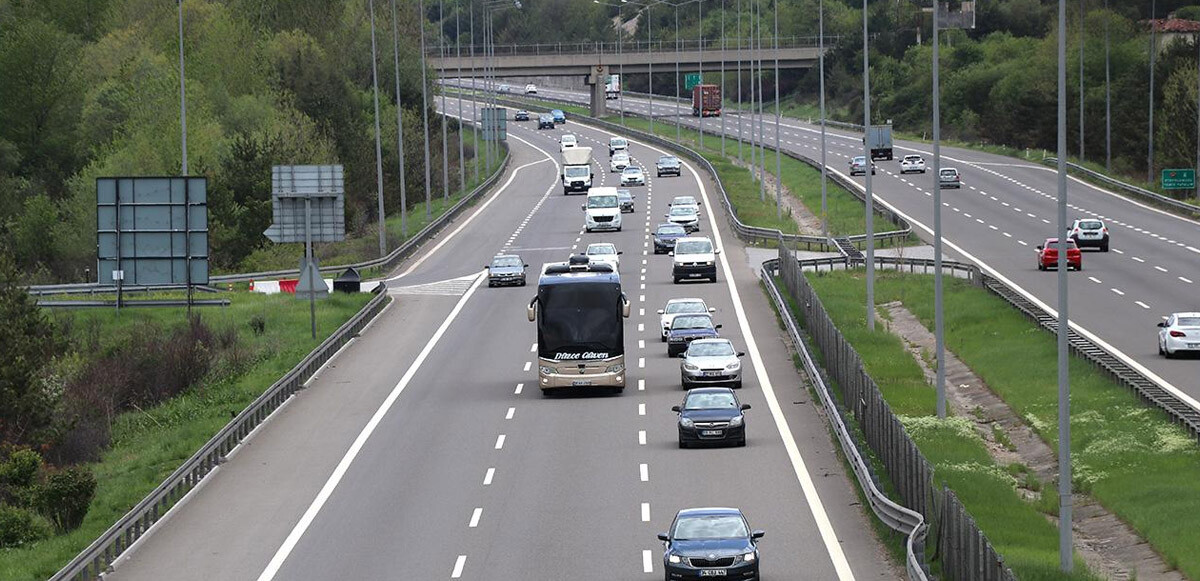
(690, 80)
(1178, 179)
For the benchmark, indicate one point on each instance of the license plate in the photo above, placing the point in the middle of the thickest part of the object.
(713, 373)
(1193, 345)
(712, 573)
(710, 432)
(694, 275)
(581, 382)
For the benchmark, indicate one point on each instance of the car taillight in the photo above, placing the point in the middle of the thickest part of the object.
(1104, 229)
(1178, 334)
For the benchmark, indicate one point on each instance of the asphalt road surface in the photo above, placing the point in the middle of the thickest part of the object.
(424, 450)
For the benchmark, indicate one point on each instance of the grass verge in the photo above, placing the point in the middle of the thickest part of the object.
(148, 445)
(1127, 456)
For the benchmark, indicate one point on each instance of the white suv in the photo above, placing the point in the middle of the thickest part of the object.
(531, 89)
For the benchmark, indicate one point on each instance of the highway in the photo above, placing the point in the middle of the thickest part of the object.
(425, 451)
(1005, 208)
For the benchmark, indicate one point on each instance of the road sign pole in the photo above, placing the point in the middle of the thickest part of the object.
(308, 265)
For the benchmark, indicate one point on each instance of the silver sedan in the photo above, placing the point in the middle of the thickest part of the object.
(711, 362)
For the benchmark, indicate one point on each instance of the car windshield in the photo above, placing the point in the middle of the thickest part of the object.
(545, 118)
(668, 160)
(709, 527)
(620, 157)
(556, 113)
(710, 349)
(602, 249)
(602, 201)
(693, 247)
(1091, 224)
(683, 201)
(687, 307)
(859, 159)
(506, 261)
(1188, 322)
(568, 139)
(671, 230)
(692, 322)
(618, 142)
(683, 211)
(633, 170)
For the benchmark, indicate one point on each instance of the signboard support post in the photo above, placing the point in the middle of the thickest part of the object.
(309, 269)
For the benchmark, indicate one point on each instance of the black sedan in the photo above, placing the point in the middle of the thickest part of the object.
(506, 269)
(521, 115)
(665, 236)
(668, 165)
(711, 415)
(685, 328)
(710, 543)
(545, 121)
(625, 199)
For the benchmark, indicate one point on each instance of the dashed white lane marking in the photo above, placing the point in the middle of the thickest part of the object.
(1022, 243)
(641, 312)
(645, 512)
(1189, 281)
(644, 469)
(509, 415)
(528, 365)
(1160, 269)
(478, 512)
(1118, 291)
(641, 385)
(500, 442)
(1094, 279)
(520, 386)
(1118, 251)
(641, 362)
(533, 349)
(641, 298)
(1141, 304)
(641, 327)
(487, 478)
(641, 409)
(647, 561)
(641, 437)
(641, 343)
(1137, 259)
(458, 567)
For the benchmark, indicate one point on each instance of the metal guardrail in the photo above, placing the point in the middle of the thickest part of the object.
(1184, 208)
(385, 262)
(98, 557)
(895, 516)
(634, 46)
(91, 288)
(746, 232)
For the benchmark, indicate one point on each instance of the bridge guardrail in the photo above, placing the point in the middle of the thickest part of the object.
(613, 48)
(748, 233)
(1184, 208)
(97, 559)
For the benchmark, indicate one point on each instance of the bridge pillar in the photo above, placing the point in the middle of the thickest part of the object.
(596, 79)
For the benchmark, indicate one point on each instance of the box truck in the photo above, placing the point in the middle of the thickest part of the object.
(576, 169)
(612, 87)
(879, 137)
(706, 101)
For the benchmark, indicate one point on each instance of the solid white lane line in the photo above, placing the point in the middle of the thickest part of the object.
(645, 512)
(641, 409)
(487, 478)
(478, 512)
(520, 386)
(509, 415)
(500, 442)
(458, 567)
(528, 365)
(647, 561)
(343, 466)
(641, 437)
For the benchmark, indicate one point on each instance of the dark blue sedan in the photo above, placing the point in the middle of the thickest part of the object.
(686, 328)
(711, 415)
(710, 543)
(558, 115)
(665, 236)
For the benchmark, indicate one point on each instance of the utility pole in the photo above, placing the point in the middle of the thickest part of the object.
(399, 124)
(867, 173)
(938, 312)
(378, 147)
(182, 99)
(1065, 546)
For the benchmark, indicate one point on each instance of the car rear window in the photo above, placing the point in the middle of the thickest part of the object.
(1188, 322)
(949, 173)
(1091, 224)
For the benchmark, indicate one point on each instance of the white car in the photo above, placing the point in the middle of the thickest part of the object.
(567, 141)
(632, 176)
(912, 163)
(604, 253)
(680, 306)
(616, 144)
(531, 89)
(1179, 333)
(685, 216)
(688, 201)
(618, 162)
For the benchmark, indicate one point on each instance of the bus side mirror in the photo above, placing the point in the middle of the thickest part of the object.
(675, 409)
(531, 310)
(583, 207)
(624, 307)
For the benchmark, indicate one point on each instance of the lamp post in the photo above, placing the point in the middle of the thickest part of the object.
(399, 124)
(490, 52)
(474, 104)
(939, 321)
(722, 80)
(824, 168)
(1150, 131)
(425, 108)
(445, 115)
(778, 148)
(378, 147)
(182, 99)
(462, 160)
(1065, 548)
(867, 173)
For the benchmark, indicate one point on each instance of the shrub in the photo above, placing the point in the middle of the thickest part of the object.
(19, 526)
(65, 495)
(20, 469)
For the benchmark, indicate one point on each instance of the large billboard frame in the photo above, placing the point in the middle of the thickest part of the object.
(152, 230)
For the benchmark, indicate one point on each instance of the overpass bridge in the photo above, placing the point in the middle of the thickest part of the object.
(593, 61)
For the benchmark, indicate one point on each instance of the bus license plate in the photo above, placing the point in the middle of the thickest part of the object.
(710, 432)
(581, 382)
(712, 573)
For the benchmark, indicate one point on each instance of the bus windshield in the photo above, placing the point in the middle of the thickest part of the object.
(580, 321)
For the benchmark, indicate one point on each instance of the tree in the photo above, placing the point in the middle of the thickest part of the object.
(28, 342)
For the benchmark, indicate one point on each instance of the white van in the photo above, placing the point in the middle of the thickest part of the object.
(694, 257)
(602, 210)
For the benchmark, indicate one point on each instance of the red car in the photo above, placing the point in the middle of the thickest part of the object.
(1048, 255)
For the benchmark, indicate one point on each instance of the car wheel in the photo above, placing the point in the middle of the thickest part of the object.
(737, 384)
(1104, 247)
(618, 228)
(1079, 267)
(1041, 266)
(1160, 349)
(676, 279)
(1167, 353)
(741, 443)
(682, 444)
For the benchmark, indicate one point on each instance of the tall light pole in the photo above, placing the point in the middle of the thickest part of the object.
(399, 124)
(722, 91)
(867, 173)
(1107, 96)
(182, 99)
(700, 61)
(378, 147)
(474, 104)
(778, 148)
(650, 48)
(1150, 132)
(762, 104)
(739, 78)
(1196, 39)
(425, 109)
(445, 115)
(1065, 552)
(1082, 34)
(462, 159)
(938, 312)
(824, 167)
(678, 137)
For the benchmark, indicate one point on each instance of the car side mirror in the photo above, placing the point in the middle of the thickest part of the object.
(583, 207)
(741, 353)
(526, 266)
(487, 266)
(757, 534)
(1039, 247)
(717, 251)
(1162, 324)
(663, 536)
(717, 327)
(620, 252)
(660, 311)
(712, 309)
(745, 406)
(676, 409)
(666, 215)
(671, 253)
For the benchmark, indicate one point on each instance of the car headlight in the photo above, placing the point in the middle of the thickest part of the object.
(546, 370)
(674, 559)
(734, 366)
(687, 423)
(749, 557)
(690, 367)
(737, 421)
(615, 368)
